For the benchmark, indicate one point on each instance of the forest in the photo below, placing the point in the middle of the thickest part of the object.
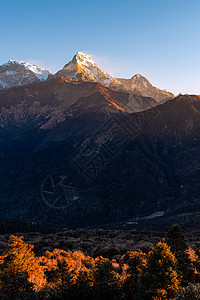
(169, 270)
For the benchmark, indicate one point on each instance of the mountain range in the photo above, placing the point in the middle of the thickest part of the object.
(82, 148)
(82, 68)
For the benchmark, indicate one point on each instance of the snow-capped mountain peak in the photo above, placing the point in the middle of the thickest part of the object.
(82, 67)
(40, 73)
(16, 73)
(84, 59)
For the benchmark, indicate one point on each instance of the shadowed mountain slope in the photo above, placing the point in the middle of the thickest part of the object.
(98, 164)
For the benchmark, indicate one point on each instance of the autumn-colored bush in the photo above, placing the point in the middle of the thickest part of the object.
(19, 258)
(135, 275)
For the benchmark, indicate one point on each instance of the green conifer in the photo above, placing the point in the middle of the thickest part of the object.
(159, 279)
(178, 244)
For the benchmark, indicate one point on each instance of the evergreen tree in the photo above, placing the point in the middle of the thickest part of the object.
(106, 282)
(136, 262)
(159, 279)
(177, 242)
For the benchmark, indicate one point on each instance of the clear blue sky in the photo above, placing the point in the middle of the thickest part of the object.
(159, 39)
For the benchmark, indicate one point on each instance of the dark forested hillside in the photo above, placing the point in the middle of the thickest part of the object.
(77, 154)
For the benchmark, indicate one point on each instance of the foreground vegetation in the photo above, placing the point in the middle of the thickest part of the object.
(169, 270)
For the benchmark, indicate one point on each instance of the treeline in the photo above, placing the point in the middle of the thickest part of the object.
(11, 226)
(170, 270)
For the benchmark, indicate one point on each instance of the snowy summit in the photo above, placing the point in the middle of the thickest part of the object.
(82, 67)
(17, 73)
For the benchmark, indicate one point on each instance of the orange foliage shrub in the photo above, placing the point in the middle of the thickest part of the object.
(20, 259)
